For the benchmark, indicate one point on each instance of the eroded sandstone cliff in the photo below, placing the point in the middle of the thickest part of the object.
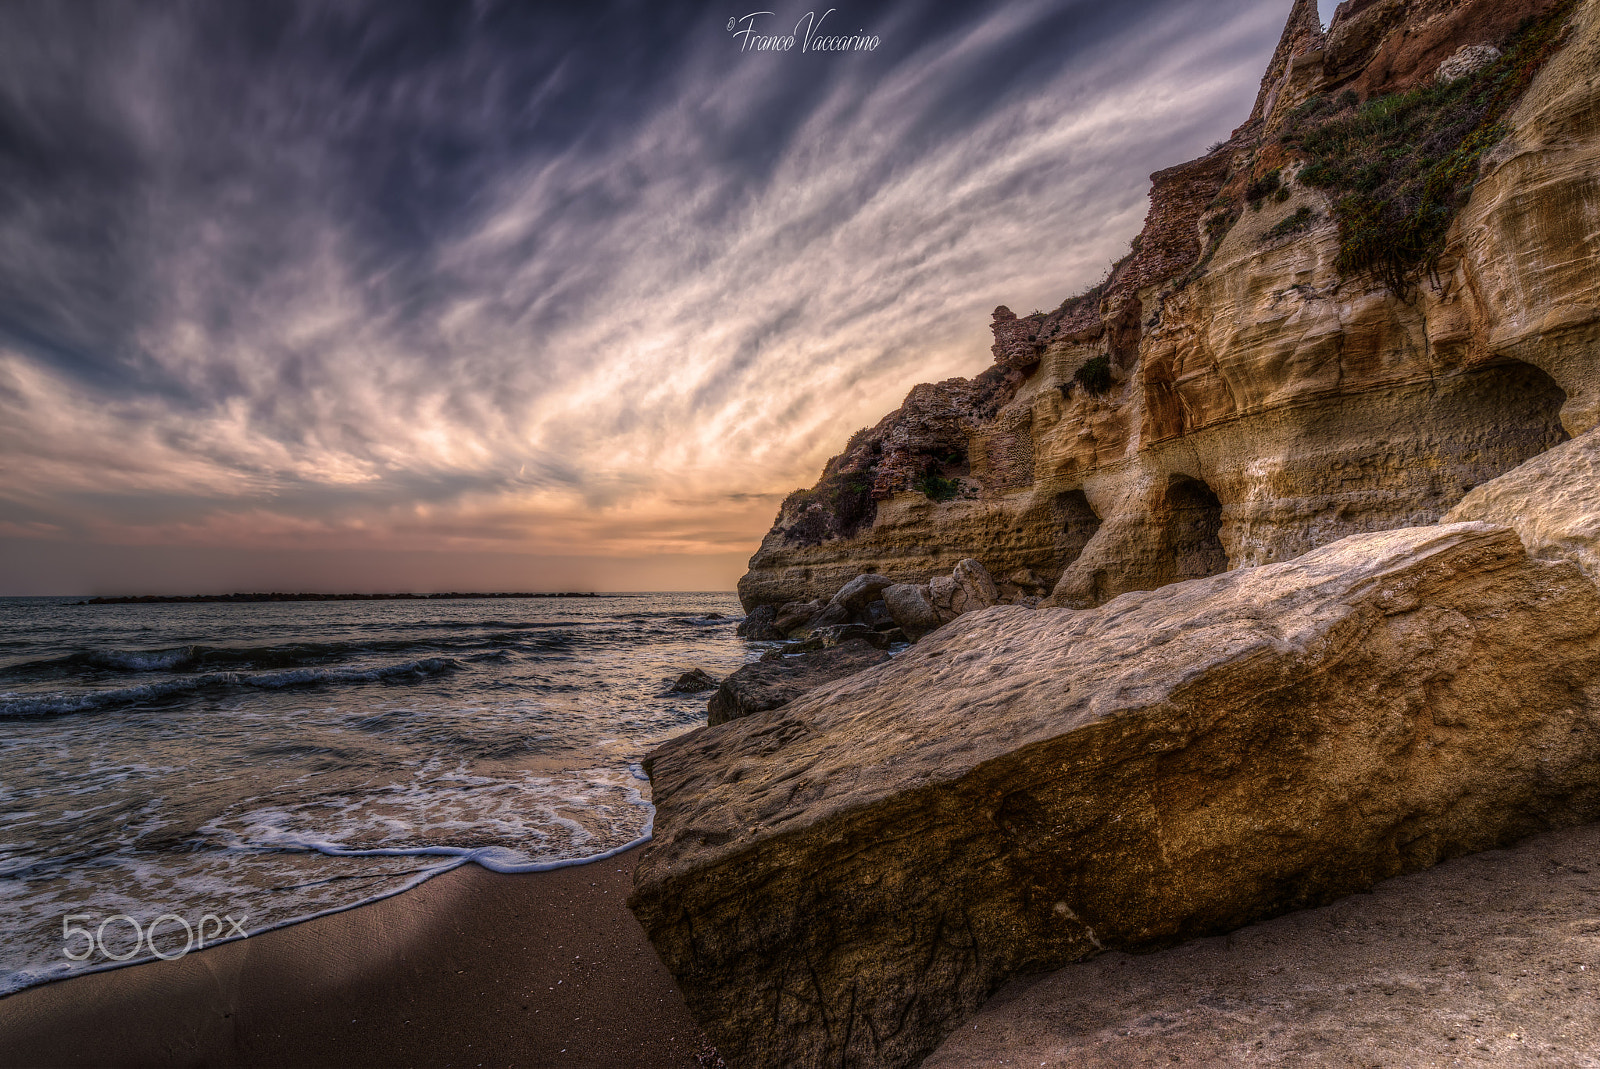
(1322, 546)
(1229, 395)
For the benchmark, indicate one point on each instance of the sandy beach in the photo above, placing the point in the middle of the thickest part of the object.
(471, 968)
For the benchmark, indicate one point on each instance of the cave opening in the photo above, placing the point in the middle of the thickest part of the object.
(1075, 523)
(1191, 521)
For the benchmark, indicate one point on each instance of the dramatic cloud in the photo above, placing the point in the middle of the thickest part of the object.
(523, 282)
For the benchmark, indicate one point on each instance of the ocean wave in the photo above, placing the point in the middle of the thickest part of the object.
(16, 706)
(196, 658)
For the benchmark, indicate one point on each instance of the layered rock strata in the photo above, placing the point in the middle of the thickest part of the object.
(842, 880)
(1261, 403)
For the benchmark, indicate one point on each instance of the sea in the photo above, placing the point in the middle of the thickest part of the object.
(174, 775)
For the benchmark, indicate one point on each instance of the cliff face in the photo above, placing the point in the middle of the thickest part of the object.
(1233, 393)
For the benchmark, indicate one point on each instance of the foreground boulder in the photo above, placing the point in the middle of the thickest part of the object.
(767, 685)
(844, 879)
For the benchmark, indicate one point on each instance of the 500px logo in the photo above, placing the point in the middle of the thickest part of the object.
(808, 30)
(80, 943)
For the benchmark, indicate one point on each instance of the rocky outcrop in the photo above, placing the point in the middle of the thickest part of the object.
(841, 880)
(766, 685)
(1262, 402)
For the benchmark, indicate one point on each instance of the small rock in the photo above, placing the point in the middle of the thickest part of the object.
(694, 681)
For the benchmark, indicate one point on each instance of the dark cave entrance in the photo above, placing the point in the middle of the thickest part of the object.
(1075, 523)
(1510, 413)
(1191, 523)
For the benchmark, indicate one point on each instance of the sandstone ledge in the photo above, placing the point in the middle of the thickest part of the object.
(843, 880)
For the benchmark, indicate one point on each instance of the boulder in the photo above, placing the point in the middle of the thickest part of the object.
(831, 615)
(858, 592)
(911, 608)
(838, 634)
(974, 581)
(844, 879)
(694, 681)
(768, 685)
(942, 592)
(974, 589)
(877, 615)
(760, 625)
(795, 615)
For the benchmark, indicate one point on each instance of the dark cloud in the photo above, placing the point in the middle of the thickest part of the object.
(334, 262)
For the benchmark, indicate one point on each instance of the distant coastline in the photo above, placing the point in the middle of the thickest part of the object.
(166, 599)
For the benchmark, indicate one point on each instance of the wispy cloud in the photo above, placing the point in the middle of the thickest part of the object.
(418, 278)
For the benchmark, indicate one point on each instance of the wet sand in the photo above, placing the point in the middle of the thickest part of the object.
(471, 968)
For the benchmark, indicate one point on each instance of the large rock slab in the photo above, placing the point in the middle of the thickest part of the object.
(843, 880)
(767, 685)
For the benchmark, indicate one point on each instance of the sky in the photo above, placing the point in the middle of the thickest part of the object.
(393, 296)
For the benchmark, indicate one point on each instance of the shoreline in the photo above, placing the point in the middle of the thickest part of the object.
(469, 967)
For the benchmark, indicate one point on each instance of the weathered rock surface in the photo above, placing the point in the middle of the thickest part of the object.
(772, 684)
(1552, 502)
(694, 681)
(1490, 959)
(842, 880)
(1262, 403)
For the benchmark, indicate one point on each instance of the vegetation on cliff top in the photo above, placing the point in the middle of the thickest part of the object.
(1399, 167)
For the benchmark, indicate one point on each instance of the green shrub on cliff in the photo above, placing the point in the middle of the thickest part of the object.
(1399, 167)
(1291, 224)
(1094, 375)
(938, 488)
